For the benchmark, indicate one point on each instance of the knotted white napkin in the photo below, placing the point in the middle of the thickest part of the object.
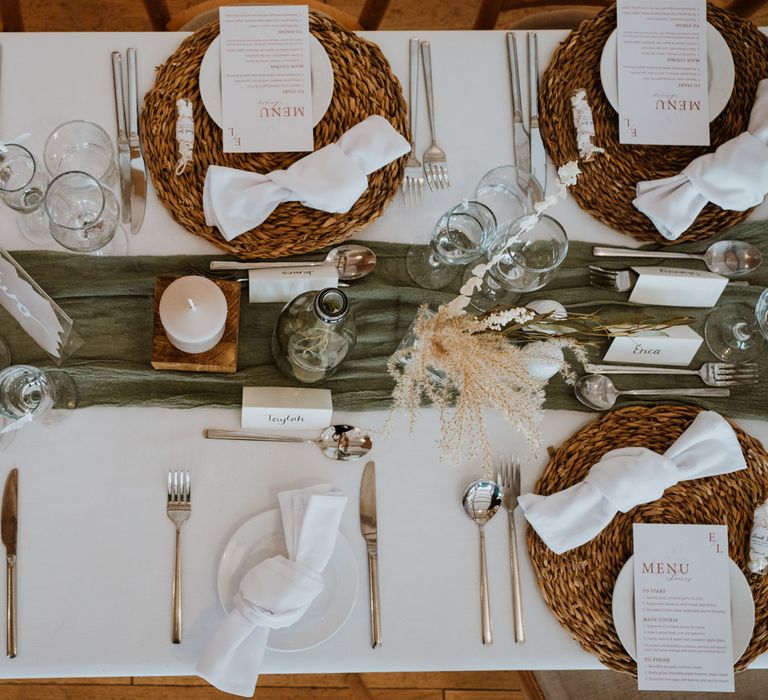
(286, 283)
(734, 177)
(628, 477)
(276, 592)
(331, 179)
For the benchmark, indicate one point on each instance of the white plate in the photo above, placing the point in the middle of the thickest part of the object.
(321, 71)
(719, 70)
(742, 609)
(261, 537)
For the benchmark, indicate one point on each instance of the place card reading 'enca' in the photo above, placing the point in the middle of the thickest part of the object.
(683, 607)
(266, 89)
(662, 69)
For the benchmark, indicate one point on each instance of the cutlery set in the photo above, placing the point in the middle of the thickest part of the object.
(624, 280)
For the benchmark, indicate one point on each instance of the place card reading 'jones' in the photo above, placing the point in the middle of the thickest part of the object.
(266, 90)
(683, 607)
(662, 69)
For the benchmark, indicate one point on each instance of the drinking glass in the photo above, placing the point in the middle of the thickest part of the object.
(523, 261)
(83, 215)
(28, 393)
(509, 193)
(22, 186)
(737, 332)
(83, 146)
(457, 239)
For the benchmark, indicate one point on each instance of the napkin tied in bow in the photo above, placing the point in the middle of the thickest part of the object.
(276, 592)
(734, 177)
(331, 179)
(628, 477)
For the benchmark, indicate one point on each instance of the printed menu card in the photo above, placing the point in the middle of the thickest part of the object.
(683, 607)
(662, 70)
(266, 89)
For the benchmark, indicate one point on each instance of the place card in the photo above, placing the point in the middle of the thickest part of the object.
(672, 346)
(286, 408)
(683, 607)
(285, 283)
(674, 286)
(266, 89)
(662, 71)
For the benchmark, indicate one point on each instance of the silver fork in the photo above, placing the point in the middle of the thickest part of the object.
(711, 373)
(413, 183)
(508, 480)
(623, 280)
(435, 162)
(179, 510)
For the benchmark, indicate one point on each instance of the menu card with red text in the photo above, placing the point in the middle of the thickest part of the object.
(266, 90)
(683, 607)
(662, 70)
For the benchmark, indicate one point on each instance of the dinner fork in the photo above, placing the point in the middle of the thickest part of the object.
(413, 183)
(623, 280)
(435, 162)
(711, 373)
(179, 510)
(508, 479)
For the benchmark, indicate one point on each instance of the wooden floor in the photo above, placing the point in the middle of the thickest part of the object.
(486, 685)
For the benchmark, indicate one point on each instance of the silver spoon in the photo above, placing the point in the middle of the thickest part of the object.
(341, 442)
(599, 392)
(727, 258)
(353, 261)
(481, 500)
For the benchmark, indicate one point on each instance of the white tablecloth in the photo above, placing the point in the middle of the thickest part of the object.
(95, 545)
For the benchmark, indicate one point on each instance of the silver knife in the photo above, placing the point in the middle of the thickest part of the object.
(521, 147)
(370, 534)
(9, 527)
(138, 171)
(538, 155)
(123, 152)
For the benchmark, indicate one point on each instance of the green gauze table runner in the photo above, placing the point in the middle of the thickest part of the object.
(111, 302)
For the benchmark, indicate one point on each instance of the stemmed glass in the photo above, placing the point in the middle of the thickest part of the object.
(737, 332)
(509, 193)
(83, 146)
(22, 187)
(28, 393)
(459, 237)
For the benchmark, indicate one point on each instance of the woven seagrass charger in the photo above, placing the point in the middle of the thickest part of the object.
(607, 184)
(578, 585)
(363, 85)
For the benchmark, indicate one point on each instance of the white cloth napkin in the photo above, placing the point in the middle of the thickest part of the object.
(276, 592)
(626, 477)
(331, 179)
(285, 283)
(734, 177)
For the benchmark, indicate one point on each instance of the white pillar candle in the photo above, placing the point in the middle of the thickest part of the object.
(193, 311)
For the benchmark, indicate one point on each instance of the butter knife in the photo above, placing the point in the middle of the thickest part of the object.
(138, 170)
(123, 151)
(538, 155)
(9, 525)
(370, 534)
(521, 147)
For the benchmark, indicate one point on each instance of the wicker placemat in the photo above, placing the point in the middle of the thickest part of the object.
(578, 585)
(606, 187)
(363, 85)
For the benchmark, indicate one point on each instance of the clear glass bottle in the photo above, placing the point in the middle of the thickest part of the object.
(313, 335)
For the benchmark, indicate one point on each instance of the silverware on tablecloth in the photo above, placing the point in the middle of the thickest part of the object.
(138, 169)
(179, 509)
(369, 530)
(623, 280)
(413, 182)
(340, 442)
(711, 373)
(435, 162)
(538, 154)
(9, 526)
(521, 146)
(123, 149)
(508, 480)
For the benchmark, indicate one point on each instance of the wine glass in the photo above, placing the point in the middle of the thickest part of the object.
(83, 146)
(458, 238)
(523, 258)
(509, 193)
(28, 393)
(737, 332)
(22, 187)
(83, 215)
